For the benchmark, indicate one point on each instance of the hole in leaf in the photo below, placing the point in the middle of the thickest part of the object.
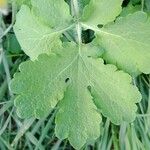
(100, 26)
(87, 36)
(89, 88)
(67, 80)
(105, 63)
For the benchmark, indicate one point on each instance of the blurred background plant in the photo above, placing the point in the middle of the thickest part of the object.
(16, 133)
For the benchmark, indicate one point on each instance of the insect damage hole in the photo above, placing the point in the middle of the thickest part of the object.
(89, 88)
(67, 80)
(100, 25)
(88, 36)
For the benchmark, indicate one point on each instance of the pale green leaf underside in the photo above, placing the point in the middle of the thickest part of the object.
(127, 43)
(54, 13)
(42, 83)
(34, 37)
(101, 11)
(77, 118)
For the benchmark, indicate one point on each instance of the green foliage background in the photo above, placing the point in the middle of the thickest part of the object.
(16, 133)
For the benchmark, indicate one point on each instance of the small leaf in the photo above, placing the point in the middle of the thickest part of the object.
(127, 43)
(113, 92)
(101, 11)
(34, 36)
